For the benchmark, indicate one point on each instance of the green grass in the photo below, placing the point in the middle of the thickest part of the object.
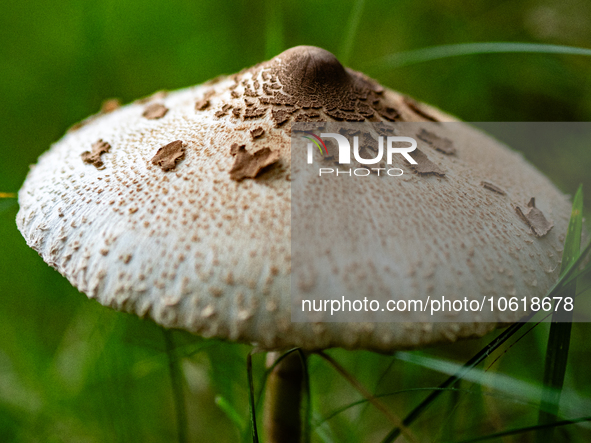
(177, 385)
(73, 371)
(560, 329)
(423, 55)
(356, 13)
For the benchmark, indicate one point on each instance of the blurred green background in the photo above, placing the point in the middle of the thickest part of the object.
(72, 371)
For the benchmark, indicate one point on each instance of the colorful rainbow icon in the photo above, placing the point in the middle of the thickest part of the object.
(318, 139)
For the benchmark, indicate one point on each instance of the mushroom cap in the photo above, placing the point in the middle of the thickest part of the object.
(178, 207)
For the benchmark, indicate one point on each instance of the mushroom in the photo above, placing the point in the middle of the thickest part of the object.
(178, 208)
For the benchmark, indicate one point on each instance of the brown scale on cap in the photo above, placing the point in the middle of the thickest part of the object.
(223, 110)
(493, 188)
(441, 144)
(169, 155)
(93, 157)
(254, 112)
(235, 148)
(257, 132)
(280, 116)
(420, 109)
(535, 219)
(110, 105)
(202, 104)
(425, 166)
(155, 111)
(247, 165)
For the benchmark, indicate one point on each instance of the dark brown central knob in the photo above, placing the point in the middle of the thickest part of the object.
(311, 70)
(306, 77)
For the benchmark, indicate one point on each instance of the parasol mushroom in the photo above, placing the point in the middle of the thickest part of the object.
(178, 208)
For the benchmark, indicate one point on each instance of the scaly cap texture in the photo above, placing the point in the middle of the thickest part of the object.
(177, 207)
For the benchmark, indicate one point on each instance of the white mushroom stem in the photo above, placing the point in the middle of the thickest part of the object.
(283, 399)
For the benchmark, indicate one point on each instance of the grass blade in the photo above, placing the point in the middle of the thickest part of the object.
(274, 30)
(253, 419)
(324, 432)
(352, 25)
(571, 273)
(176, 380)
(572, 244)
(445, 51)
(230, 411)
(365, 401)
(546, 428)
(306, 434)
(478, 358)
(450, 423)
(400, 425)
(517, 389)
(560, 329)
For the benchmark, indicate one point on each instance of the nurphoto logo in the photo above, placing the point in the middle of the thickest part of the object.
(389, 144)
